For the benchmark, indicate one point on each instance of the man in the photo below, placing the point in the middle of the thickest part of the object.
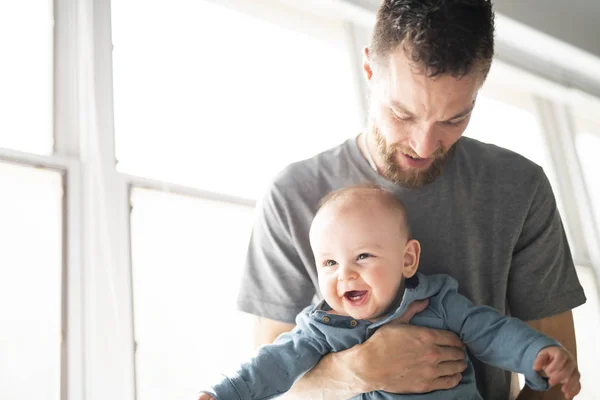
(484, 215)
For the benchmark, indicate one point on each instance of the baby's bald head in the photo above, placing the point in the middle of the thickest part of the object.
(365, 196)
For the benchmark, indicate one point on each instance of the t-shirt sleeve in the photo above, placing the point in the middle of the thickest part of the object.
(275, 282)
(542, 279)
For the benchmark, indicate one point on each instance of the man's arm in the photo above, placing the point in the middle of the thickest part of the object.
(398, 358)
(561, 328)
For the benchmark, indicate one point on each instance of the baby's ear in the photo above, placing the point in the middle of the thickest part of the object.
(412, 253)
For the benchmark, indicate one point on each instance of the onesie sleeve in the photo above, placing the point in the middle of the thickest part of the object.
(496, 339)
(275, 367)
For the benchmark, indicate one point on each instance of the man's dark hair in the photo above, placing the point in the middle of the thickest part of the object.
(442, 36)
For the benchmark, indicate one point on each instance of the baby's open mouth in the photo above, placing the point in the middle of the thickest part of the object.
(355, 296)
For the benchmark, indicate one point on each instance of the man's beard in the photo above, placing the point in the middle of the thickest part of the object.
(412, 178)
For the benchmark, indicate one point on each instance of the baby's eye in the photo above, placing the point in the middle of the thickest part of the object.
(363, 256)
(329, 263)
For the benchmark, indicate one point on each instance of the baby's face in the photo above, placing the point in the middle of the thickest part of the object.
(360, 257)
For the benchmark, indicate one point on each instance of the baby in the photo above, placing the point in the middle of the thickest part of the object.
(367, 267)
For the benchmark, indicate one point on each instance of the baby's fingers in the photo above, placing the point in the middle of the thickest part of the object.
(572, 386)
(559, 369)
(562, 375)
(542, 360)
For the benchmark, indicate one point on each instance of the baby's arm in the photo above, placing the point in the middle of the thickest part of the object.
(495, 339)
(557, 364)
(273, 370)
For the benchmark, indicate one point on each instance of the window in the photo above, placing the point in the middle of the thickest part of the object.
(26, 78)
(509, 125)
(588, 147)
(222, 99)
(188, 255)
(30, 282)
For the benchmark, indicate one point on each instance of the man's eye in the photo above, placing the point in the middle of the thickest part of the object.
(363, 256)
(454, 123)
(402, 117)
(329, 263)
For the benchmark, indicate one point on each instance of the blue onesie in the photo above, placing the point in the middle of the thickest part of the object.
(498, 340)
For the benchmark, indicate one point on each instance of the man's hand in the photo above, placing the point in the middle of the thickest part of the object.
(560, 367)
(402, 358)
(205, 396)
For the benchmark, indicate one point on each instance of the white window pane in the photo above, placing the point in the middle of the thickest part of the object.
(587, 326)
(30, 282)
(212, 97)
(26, 34)
(588, 148)
(188, 255)
(513, 127)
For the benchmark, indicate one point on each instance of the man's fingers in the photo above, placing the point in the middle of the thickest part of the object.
(414, 308)
(443, 338)
(449, 354)
(450, 368)
(427, 336)
(445, 382)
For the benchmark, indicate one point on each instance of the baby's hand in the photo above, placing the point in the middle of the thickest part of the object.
(559, 365)
(205, 396)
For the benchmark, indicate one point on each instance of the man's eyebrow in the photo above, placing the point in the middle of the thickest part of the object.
(400, 107)
(463, 113)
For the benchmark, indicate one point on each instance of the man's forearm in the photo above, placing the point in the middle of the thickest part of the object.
(328, 380)
(553, 393)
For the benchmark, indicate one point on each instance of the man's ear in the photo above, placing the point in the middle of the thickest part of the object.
(412, 254)
(367, 66)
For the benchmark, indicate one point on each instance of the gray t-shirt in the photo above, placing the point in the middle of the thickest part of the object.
(490, 221)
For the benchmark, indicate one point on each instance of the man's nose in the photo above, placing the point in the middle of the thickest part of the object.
(424, 140)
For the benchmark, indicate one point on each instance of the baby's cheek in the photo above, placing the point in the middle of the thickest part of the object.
(328, 289)
(380, 277)
(387, 283)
